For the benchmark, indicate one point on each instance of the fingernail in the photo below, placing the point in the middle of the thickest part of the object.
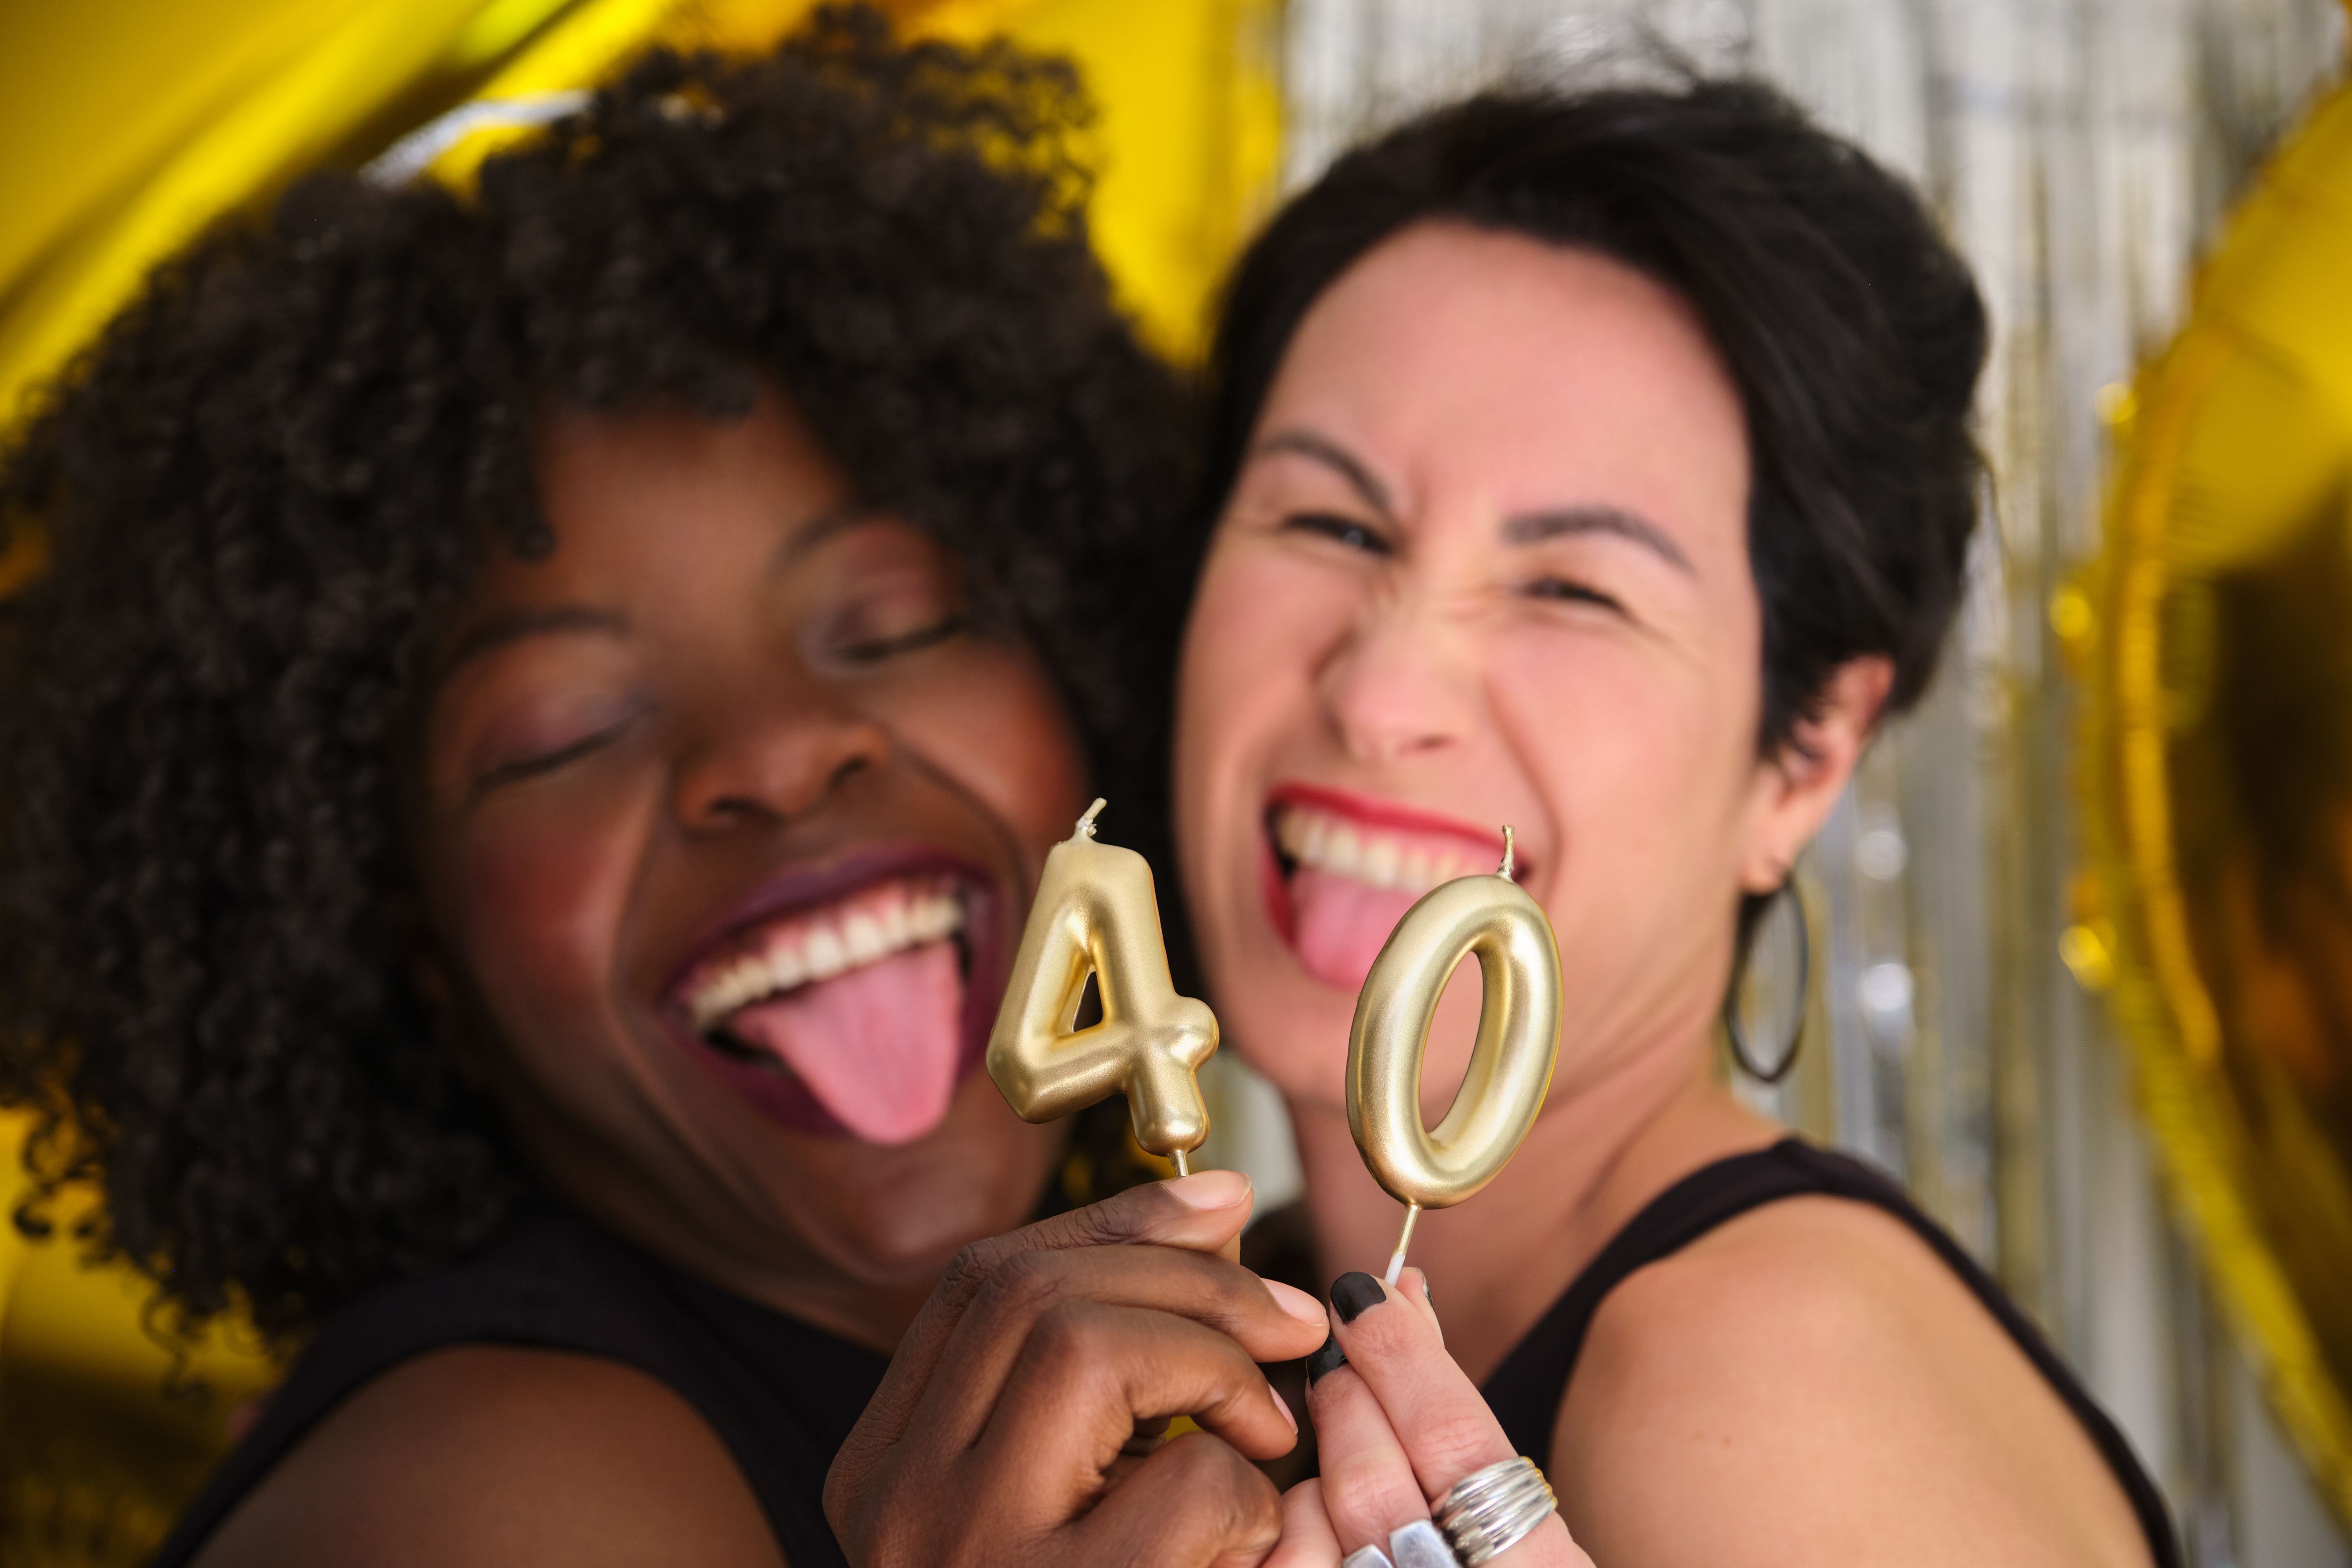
(1354, 1293)
(1329, 1358)
(1295, 1301)
(1284, 1405)
(1209, 1189)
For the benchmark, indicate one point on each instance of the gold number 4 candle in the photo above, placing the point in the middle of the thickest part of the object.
(1095, 915)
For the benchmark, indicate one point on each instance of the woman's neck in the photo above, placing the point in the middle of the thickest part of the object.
(1588, 1166)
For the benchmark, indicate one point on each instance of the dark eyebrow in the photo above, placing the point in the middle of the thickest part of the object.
(1533, 528)
(1333, 455)
(554, 620)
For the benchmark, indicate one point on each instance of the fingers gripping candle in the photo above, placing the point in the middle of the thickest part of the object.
(1094, 914)
(1510, 1064)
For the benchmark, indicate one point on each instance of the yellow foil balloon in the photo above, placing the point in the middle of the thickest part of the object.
(1094, 914)
(1510, 1064)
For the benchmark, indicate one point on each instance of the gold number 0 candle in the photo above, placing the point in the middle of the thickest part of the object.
(1510, 1064)
(1094, 914)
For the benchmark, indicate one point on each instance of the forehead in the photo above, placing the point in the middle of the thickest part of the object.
(1539, 373)
(662, 502)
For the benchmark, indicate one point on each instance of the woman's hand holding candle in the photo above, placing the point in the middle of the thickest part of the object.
(1019, 1419)
(1398, 1428)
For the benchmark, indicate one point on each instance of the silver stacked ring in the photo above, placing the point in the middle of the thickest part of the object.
(1492, 1509)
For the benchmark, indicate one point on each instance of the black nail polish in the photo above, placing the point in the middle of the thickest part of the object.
(1327, 1358)
(1353, 1294)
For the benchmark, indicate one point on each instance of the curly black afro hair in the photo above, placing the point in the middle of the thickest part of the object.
(264, 487)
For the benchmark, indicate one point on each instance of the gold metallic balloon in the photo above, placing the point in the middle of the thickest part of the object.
(2215, 637)
(1510, 1064)
(1095, 915)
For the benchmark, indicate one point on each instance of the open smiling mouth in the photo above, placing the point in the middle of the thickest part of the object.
(858, 1004)
(1344, 876)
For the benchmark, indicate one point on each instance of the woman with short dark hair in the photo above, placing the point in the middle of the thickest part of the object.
(1600, 463)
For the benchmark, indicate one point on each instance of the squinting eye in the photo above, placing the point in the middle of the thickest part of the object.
(1344, 530)
(1564, 590)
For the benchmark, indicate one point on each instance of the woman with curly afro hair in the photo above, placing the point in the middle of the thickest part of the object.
(520, 779)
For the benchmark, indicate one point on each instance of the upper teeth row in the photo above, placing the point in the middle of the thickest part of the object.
(1322, 842)
(818, 947)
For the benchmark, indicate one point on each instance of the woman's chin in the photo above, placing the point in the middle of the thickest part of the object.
(1291, 1029)
(892, 1212)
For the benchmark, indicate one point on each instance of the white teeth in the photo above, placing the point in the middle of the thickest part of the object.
(862, 939)
(866, 927)
(1322, 841)
(934, 917)
(826, 956)
(1290, 832)
(1341, 851)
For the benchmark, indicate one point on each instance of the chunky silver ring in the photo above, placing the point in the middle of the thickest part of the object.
(1492, 1509)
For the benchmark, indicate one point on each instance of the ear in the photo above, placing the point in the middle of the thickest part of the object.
(432, 984)
(1796, 787)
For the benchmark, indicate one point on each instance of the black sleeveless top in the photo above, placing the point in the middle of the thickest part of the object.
(780, 1395)
(1526, 1391)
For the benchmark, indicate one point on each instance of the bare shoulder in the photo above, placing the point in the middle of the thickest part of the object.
(485, 1454)
(1811, 1382)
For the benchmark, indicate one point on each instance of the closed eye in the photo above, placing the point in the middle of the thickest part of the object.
(873, 650)
(1565, 590)
(1345, 530)
(547, 761)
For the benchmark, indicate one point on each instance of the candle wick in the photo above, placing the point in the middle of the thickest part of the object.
(1085, 828)
(1510, 851)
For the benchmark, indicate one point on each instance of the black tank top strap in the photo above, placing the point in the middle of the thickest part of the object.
(780, 1394)
(1528, 1388)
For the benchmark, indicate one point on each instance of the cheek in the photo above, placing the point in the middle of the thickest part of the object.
(1643, 760)
(999, 729)
(1258, 629)
(538, 889)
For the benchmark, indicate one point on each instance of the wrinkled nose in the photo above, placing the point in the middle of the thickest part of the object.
(1397, 687)
(772, 760)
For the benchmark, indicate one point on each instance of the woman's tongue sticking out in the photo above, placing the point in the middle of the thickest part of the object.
(879, 1046)
(1352, 879)
(1342, 923)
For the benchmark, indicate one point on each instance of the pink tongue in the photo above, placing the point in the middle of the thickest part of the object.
(878, 1045)
(1341, 924)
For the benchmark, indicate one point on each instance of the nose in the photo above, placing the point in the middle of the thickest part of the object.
(1397, 687)
(773, 756)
